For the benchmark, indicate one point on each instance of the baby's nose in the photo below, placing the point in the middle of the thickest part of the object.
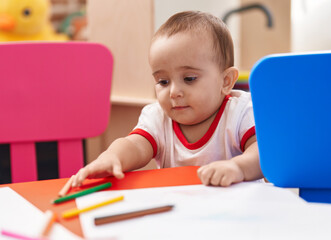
(176, 91)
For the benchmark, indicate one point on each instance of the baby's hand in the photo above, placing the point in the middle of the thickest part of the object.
(221, 173)
(105, 165)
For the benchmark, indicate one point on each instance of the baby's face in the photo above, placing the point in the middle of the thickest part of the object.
(188, 80)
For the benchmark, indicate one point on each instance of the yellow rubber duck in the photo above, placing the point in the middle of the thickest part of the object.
(27, 20)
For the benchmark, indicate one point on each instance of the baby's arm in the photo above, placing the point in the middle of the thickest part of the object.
(245, 167)
(124, 154)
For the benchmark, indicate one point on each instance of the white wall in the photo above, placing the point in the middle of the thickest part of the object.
(163, 9)
(311, 23)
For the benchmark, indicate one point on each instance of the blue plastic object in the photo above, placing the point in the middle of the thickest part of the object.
(292, 109)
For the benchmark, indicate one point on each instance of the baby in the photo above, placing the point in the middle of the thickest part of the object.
(198, 119)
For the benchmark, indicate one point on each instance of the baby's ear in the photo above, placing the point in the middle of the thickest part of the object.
(230, 77)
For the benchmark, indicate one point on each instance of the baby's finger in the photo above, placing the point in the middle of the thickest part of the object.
(205, 175)
(215, 180)
(226, 181)
(117, 171)
(66, 187)
(80, 177)
(199, 172)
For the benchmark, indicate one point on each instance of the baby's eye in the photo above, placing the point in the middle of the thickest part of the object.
(163, 82)
(189, 79)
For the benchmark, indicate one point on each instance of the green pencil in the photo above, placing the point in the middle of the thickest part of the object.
(82, 193)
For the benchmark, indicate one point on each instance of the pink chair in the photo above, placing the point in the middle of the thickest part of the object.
(52, 92)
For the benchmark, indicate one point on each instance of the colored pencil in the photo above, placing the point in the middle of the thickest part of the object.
(66, 187)
(74, 212)
(17, 236)
(129, 215)
(82, 193)
(50, 217)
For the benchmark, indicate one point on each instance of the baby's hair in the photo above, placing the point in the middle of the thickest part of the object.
(200, 22)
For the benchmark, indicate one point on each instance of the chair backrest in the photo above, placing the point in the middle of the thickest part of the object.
(291, 103)
(52, 92)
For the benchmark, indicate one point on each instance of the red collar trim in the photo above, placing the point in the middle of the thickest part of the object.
(205, 138)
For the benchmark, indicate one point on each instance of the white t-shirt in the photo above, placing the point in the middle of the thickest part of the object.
(225, 138)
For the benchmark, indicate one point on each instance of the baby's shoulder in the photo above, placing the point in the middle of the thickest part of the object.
(153, 119)
(239, 101)
(154, 112)
(153, 109)
(240, 95)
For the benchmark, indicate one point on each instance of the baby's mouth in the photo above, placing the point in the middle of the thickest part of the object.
(179, 107)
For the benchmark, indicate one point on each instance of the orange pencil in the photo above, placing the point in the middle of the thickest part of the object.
(50, 218)
(66, 187)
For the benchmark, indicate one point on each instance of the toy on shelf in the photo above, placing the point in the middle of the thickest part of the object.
(27, 20)
(242, 82)
(75, 26)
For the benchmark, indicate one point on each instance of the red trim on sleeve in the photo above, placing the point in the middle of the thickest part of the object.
(148, 137)
(250, 132)
(205, 138)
